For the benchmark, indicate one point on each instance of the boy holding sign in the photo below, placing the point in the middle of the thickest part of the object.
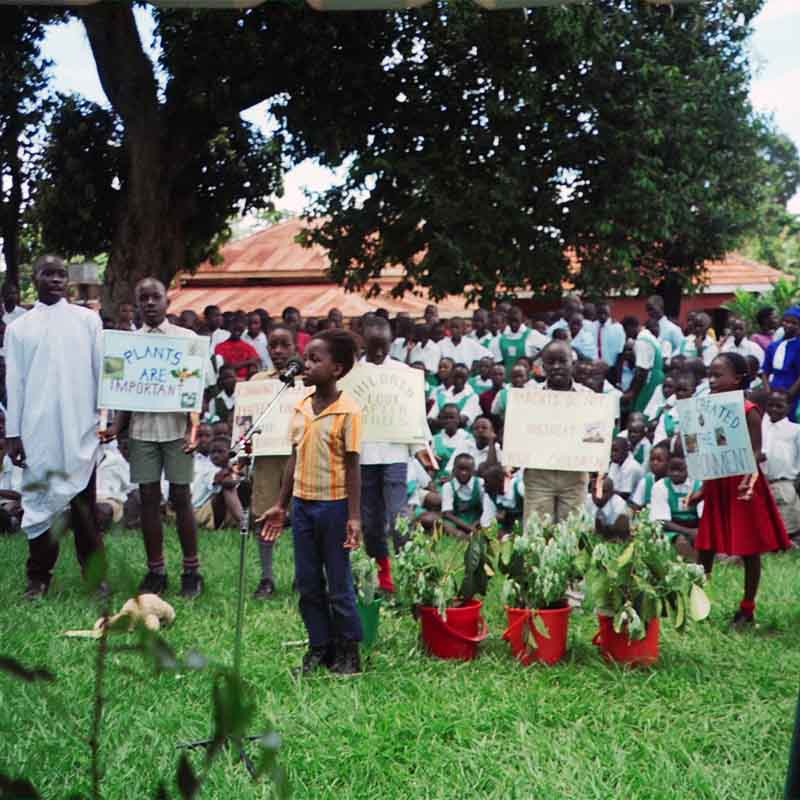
(553, 492)
(740, 517)
(162, 442)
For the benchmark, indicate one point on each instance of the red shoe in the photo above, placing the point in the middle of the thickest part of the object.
(385, 581)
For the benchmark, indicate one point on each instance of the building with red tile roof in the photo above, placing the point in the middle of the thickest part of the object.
(270, 269)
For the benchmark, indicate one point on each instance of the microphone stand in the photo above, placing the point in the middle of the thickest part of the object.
(244, 447)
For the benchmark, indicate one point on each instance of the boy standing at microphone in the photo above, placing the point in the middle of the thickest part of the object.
(323, 482)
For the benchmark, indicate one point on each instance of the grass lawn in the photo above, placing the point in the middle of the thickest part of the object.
(712, 720)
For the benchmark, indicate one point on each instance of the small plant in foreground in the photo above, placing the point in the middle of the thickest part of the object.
(643, 578)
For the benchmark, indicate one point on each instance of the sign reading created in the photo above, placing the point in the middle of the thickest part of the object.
(569, 431)
(392, 401)
(715, 436)
(150, 372)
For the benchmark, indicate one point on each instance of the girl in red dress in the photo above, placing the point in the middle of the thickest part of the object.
(740, 517)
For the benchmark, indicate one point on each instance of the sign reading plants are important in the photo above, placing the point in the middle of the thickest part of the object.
(151, 372)
(392, 401)
(569, 431)
(715, 437)
(252, 397)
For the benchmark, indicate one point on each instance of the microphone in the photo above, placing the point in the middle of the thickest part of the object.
(294, 368)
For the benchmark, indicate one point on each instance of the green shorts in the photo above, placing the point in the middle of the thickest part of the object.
(149, 459)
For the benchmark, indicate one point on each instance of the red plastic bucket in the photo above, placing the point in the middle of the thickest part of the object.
(457, 637)
(618, 647)
(548, 651)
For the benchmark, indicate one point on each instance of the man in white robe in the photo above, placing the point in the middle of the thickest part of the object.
(52, 368)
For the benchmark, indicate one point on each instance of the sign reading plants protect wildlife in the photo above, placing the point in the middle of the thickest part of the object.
(715, 437)
(392, 401)
(569, 431)
(150, 372)
(252, 398)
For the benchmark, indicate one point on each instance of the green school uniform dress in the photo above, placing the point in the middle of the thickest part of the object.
(440, 399)
(656, 375)
(479, 385)
(683, 516)
(512, 346)
(444, 449)
(468, 511)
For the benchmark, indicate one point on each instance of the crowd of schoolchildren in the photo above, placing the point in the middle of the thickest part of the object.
(459, 480)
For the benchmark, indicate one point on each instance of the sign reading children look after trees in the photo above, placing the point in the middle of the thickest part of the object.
(392, 401)
(715, 436)
(151, 372)
(568, 431)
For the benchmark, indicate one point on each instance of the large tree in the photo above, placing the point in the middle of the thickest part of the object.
(23, 105)
(482, 145)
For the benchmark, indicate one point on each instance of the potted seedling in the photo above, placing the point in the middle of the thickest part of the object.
(539, 566)
(633, 584)
(440, 577)
(365, 580)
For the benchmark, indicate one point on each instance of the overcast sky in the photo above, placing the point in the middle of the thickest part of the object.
(775, 88)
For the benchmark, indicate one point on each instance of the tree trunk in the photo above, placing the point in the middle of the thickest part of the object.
(671, 290)
(148, 236)
(13, 210)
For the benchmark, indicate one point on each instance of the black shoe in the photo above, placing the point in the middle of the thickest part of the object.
(315, 659)
(348, 660)
(153, 583)
(741, 619)
(35, 589)
(265, 589)
(191, 585)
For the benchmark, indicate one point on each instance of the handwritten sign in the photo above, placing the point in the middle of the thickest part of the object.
(150, 372)
(715, 437)
(252, 398)
(392, 401)
(569, 431)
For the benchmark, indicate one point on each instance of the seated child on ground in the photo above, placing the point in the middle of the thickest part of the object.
(466, 505)
(424, 503)
(459, 393)
(482, 382)
(214, 496)
(220, 409)
(624, 471)
(636, 434)
(485, 449)
(658, 464)
(113, 485)
(511, 503)
(205, 434)
(450, 438)
(10, 493)
(669, 506)
(780, 443)
(609, 512)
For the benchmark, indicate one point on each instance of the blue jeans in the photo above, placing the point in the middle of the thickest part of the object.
(383, 498)
(328, 608)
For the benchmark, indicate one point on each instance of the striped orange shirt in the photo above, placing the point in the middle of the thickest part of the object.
(322, 441)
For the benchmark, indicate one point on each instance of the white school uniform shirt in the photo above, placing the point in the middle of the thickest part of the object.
(471, 409)
(53, 356)
(515, 492)
(385, 452)
(655, 404)
(113, 474)
(10, 477)
(535, 342)
(745, 348)
(609, 388)
(487, 340)
(259, 344)
(219, 336)
(585, 343)
(669, 411)
(10, 316)
(780, 442)
(203, 486)
(708, 349)
(668, 331)
(467, 351)
(626, 475)
(645, 444)
(610, 338)
(489, 511)
(479, 454)
(430, 355)
(659, 500)
(397, 350)
(608, 514)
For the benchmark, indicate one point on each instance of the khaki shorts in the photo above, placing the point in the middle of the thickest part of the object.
(554, 493)
(267, 479)
(149, 459)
